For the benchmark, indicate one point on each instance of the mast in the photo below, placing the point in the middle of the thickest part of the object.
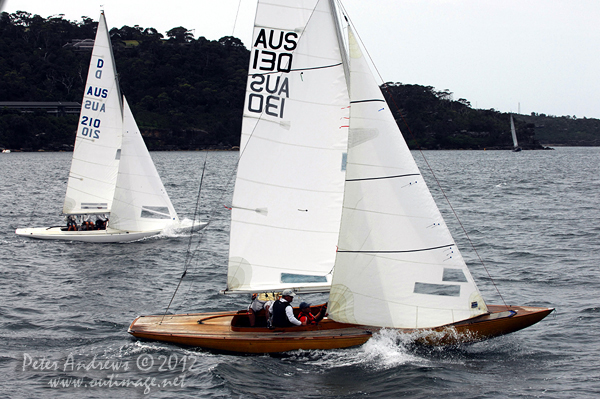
(341, 41)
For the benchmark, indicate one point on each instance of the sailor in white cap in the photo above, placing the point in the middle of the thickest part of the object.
(283, 314)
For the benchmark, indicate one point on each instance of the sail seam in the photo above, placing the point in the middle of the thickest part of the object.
(384, 177)
(314, 147)
(368, 101)
(284, 228)
(396, 252)
(299, 69)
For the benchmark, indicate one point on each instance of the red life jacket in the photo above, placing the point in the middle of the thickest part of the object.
(307, 318)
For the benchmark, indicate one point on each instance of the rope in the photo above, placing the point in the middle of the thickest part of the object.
(188, 257)
(236, 17)
(213, 211)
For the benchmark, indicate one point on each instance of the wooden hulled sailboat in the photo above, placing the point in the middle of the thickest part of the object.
(329, 198)
(112, 174)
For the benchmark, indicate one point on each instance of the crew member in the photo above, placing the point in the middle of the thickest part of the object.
(283, 314)
(307, 318)
(255, 306)
(71, 225)
(88, 224)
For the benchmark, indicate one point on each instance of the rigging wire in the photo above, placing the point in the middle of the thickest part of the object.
(345, 15)
(213, 211)
(236, 17)
(188, 257)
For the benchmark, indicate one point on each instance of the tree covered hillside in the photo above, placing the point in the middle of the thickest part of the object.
(184, 92)
(188, 93)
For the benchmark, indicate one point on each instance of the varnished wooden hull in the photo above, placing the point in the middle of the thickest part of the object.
(500, 321)
(216, 331)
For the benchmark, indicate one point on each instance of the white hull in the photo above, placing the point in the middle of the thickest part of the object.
(108, 235)
(185, 226)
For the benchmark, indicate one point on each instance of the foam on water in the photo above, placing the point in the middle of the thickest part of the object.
(386, 349)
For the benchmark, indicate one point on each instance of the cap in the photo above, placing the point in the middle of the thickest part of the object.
(288, 292)
(304, 305)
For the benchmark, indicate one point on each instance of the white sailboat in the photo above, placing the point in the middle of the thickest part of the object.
(104, 180)
(377, 242)
(516, 147)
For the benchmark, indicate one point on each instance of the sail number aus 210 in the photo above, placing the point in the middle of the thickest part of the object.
(89, 124)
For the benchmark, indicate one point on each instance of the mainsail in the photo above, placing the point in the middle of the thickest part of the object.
(397, 264)
(140, 202)
(97, 146)
(287, 201)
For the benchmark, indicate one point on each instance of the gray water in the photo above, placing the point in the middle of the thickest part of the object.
(532, 217)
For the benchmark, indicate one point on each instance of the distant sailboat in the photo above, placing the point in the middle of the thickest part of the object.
(112, 175)
(328, 198)
(516, 147)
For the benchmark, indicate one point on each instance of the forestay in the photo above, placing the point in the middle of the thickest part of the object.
(96, 154)
(141, 202)
(397, 264)
(289, 187)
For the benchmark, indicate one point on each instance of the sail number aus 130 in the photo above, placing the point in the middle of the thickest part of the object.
(272, 55)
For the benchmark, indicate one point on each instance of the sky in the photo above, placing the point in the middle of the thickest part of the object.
(511, 55)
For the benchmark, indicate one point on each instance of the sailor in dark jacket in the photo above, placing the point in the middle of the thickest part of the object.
(283, 314)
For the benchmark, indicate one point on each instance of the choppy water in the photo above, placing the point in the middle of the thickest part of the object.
(532, 216)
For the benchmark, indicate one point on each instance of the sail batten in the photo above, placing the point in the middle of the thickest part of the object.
(384, 177)
(394, 251)
(368, 101)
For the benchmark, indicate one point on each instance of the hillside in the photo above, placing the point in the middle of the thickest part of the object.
(188, 93)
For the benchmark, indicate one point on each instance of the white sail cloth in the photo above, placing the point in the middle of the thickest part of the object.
(397, 265)
(140, 201)
(96, 154)
(289, 187)
(513, 132)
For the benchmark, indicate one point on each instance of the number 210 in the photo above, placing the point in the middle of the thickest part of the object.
(86, 132)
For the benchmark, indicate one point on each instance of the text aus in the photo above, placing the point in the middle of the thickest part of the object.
(91, 126)
(271, 58)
